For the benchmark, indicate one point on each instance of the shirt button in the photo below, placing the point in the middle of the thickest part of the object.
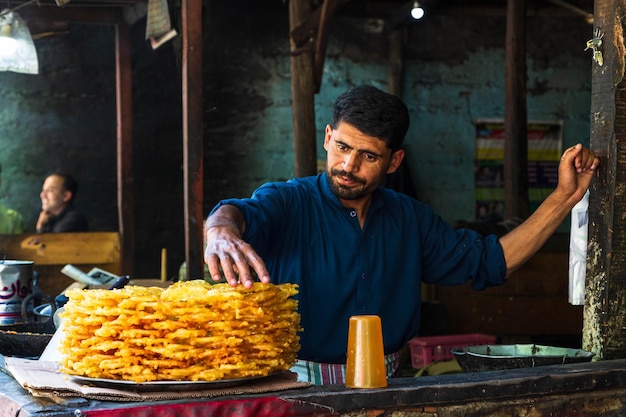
(363, 276)
(353, 213)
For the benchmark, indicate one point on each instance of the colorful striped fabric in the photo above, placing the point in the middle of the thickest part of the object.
(335, 373)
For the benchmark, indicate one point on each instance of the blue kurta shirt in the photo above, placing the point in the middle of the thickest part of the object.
(306, 236)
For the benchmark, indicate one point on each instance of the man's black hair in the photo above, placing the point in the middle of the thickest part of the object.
(69, 183)
(375, 113)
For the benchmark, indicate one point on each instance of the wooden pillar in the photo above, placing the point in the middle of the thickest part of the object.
(604, 317)
(302, 95)
(192, 136)
(395, 69)
(124, 112)
(515, 114)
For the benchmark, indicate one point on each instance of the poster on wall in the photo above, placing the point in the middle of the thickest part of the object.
(544, 153)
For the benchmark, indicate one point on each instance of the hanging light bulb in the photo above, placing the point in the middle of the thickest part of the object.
(17, 51)
(417, 12)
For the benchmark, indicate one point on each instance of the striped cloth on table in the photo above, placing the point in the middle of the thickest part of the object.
(335, 373)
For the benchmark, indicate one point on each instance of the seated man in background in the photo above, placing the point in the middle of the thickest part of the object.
(11, 221)
(57, 206)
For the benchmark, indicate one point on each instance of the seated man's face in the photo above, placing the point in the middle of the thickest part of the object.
(53, 197)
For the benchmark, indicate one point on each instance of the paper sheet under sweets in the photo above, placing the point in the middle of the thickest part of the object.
(43, 379)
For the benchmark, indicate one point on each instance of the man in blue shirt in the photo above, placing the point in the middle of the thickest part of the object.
(355, 247)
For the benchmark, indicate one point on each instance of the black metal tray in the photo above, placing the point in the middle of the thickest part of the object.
(498, 357)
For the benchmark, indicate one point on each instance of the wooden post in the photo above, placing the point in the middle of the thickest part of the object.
(302, 95)
(124, 112)
(395, 68)
(516, 203)
(192, 137)
(604, 331)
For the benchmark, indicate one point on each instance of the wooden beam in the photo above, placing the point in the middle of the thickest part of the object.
(302, 96)
(192, 136)
(99, 16)
(516, 202)
(124, 116)
(328, 10)
(302, 32)
(534, 9)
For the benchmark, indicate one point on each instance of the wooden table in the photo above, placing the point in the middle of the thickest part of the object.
(588, 389)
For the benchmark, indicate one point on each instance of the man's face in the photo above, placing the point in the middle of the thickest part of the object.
(356, 163)
(53, 197)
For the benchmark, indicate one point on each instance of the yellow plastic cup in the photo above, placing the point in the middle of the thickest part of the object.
(365, 366)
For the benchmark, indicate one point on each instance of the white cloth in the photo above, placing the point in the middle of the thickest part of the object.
(578, 251)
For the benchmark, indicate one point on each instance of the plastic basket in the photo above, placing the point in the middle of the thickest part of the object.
(425, 350)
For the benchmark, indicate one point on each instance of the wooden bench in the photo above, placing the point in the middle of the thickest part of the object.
(50, 252)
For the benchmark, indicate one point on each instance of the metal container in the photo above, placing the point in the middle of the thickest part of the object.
(499, 357)
(16, 283)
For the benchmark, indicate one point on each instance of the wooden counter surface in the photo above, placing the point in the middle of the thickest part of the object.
(589, 389)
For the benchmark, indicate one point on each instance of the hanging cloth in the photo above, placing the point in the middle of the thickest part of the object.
(158, 26)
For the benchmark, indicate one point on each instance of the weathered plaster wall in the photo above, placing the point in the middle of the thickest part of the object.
(62, 119)
(456, 79)
(65, 117)
(454, 74)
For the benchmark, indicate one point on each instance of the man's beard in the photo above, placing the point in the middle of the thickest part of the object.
(351, 193)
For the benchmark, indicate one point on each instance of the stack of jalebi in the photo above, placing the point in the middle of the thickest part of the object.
(190, 331)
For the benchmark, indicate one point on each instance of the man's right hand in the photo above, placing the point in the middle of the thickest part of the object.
(44, 218)
(227, 253)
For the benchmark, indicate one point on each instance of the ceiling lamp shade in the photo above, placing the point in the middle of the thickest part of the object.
(17, 50)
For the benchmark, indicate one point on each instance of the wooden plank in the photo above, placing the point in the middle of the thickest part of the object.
(63, 248)
(192, 136)
(88, 15)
